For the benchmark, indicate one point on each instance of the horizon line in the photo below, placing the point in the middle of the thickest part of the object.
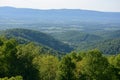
(58, 9)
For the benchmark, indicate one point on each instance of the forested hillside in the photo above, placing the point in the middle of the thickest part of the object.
(76, 37)
(106, 41)
(25, 35)
(26, 62)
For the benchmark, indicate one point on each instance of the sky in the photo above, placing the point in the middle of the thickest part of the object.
(97, 5)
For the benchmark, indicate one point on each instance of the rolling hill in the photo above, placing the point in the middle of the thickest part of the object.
(76, 37)
(108, 42)
(25, 35)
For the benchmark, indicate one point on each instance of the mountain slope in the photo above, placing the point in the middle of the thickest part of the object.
(76, 37)
(40, 38)
(108, 42)
(112, 34)
(60, 15)
(111, 46)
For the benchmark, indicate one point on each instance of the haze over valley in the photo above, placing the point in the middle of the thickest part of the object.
(58, 20)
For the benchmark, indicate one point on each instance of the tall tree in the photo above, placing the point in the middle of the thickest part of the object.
(8, 58)
(95, 67)
(47, 66)
(66, 69)
(26, 54)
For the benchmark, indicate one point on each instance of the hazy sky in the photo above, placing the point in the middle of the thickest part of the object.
(99, 5)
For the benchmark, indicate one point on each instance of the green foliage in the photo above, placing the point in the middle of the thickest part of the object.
(26, 54)
(66, 69)
(8, 58)
(115, 62)
(12, 78)
(95, 67)
(17, 60)
(47, 66)
(32, 63)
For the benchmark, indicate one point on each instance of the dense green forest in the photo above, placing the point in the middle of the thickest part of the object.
(27, 62)
(106, 41)
(26, 35)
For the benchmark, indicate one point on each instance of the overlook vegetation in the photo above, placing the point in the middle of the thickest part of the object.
(26, 62)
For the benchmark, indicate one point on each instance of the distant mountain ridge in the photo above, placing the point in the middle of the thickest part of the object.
(57, 15)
